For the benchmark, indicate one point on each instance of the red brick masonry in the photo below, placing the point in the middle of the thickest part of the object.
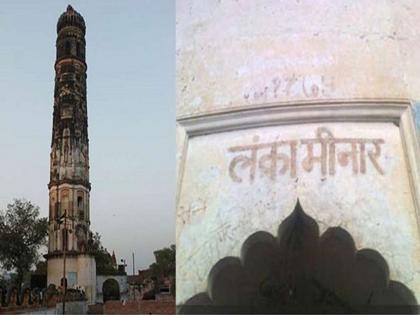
(139, 307)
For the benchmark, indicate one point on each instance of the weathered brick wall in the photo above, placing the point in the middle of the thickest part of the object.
(142, 307)
(157, 307)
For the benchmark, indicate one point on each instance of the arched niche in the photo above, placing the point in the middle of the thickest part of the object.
(300, 271)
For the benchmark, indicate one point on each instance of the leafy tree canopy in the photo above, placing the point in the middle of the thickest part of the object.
(22, 233)
(104, 263)
(165, 262)
(41, 268)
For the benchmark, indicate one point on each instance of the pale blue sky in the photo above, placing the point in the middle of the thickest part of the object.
(130, 53)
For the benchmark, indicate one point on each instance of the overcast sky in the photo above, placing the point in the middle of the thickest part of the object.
(130, 52)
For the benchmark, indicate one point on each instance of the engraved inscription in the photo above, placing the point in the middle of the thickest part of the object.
(309, 86)
(280, 157)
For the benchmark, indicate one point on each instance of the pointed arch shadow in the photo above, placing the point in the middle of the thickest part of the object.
(300, 271)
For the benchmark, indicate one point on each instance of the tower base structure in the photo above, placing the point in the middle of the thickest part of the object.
(80, 272)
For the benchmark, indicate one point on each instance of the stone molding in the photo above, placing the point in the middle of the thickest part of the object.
(397, 111)
(69, 253)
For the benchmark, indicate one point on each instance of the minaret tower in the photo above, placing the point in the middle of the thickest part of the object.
(69, 187)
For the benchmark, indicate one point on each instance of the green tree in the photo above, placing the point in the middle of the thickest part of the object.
(164, 267)
(104, 264)
(22, 233)
(40, 268)
(165, 262)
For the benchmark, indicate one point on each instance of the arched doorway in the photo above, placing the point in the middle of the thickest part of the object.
(111, 290)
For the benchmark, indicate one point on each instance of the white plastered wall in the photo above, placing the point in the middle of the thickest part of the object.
(241, 62)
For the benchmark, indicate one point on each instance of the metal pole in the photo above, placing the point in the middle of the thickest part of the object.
(133, 264)
(64, 261)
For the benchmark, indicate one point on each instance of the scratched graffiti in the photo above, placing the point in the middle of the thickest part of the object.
(194, 210)
(308, 86)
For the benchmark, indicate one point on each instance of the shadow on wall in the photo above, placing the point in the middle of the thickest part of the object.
(302, 272)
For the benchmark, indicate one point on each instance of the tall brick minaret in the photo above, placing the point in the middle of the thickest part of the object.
(69, 187)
